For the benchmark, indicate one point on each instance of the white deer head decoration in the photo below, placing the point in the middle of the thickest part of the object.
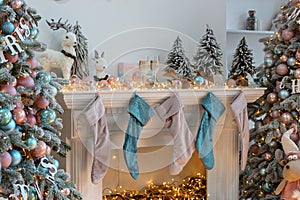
(100, 66)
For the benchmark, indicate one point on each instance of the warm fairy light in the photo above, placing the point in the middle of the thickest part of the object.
(192, 188)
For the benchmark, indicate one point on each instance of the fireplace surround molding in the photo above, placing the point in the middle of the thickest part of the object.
(222, 180)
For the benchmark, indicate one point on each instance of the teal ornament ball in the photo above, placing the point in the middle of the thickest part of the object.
(10, 126)
(7, 28)
(16, 157)
(5, 116)
(32, 194)
(48, 116)
(291, 61)
(34, 31)
(283, 94)
(264, 81)
(200, 80)
(56, 162)
(277, 51)
(1, 2)
(43, 77)
(267, 187)
(269, 62)
(53, 91)
(31, 143)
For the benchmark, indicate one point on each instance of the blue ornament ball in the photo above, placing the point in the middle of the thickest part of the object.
(5, 116)
(10, 126)
(267, 187)
(269, 62)
(48, 116)
(53, 91)
(7, 28)
(291, 61)
(264, 81)
(16, 157)
(56, 162)
(200, 80)
(283, 94)
(34, 32)
(31, 143)
(277, 51)
(32, 194)
(44, 77)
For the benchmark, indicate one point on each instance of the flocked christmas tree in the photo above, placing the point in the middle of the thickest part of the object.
(277, 110)
(80, 66)
(177, 62)
(30, 120)
(242, 63)
(207, 60)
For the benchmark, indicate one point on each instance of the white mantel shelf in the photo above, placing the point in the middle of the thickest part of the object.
(119, 98)
(222, 180)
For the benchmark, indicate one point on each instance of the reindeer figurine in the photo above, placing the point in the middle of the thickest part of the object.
(100, 66)
(290, 185)
(65, 58)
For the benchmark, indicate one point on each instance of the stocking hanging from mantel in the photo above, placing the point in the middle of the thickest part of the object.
(140, 113)
(213, 110)
(95, 115)
(240, 112)
(171, 111)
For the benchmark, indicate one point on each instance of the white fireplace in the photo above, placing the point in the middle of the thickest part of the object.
(155, 143)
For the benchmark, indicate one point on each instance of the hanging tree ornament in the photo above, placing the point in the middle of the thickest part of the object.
(5, 116)
(8, 89)
(16, 157)
(5, 160)
(48, 166)
(47, 116)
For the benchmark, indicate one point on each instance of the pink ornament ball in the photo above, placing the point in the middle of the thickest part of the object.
(287, 34)
(19, 115)
(33, 62)
(48, 150)
(40, 150)
(65, 191)
(5, 160)
(282, 69)
(231, 83)
(25, 81)
(16, 4)
(41, 102)
(30, 119)
(137, 77)
(103, 84)
(112, 80)
(11, 58)
(267, 119)
(283, 58)
(275, 114)
(8, 89)
(297, 73)
(272, 98)
(286, 118)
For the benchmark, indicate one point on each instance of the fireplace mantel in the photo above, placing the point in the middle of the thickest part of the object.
(222, 180)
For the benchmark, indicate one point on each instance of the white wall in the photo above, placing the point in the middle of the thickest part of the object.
(104, 20)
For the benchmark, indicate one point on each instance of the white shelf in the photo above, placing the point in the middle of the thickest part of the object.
(238, 31)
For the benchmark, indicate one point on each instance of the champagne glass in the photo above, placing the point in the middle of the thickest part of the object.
(154, 66)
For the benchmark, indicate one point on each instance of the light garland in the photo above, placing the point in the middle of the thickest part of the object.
(192, 188)
(115, 83)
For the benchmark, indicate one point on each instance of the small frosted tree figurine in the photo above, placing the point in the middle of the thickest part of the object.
(80, 66)
(242, 64)
(177, 62)
(207, 59)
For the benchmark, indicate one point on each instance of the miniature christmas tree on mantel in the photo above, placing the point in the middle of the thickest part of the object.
(242, 64)
(177, 63)
(30, 120)
(207, 60)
